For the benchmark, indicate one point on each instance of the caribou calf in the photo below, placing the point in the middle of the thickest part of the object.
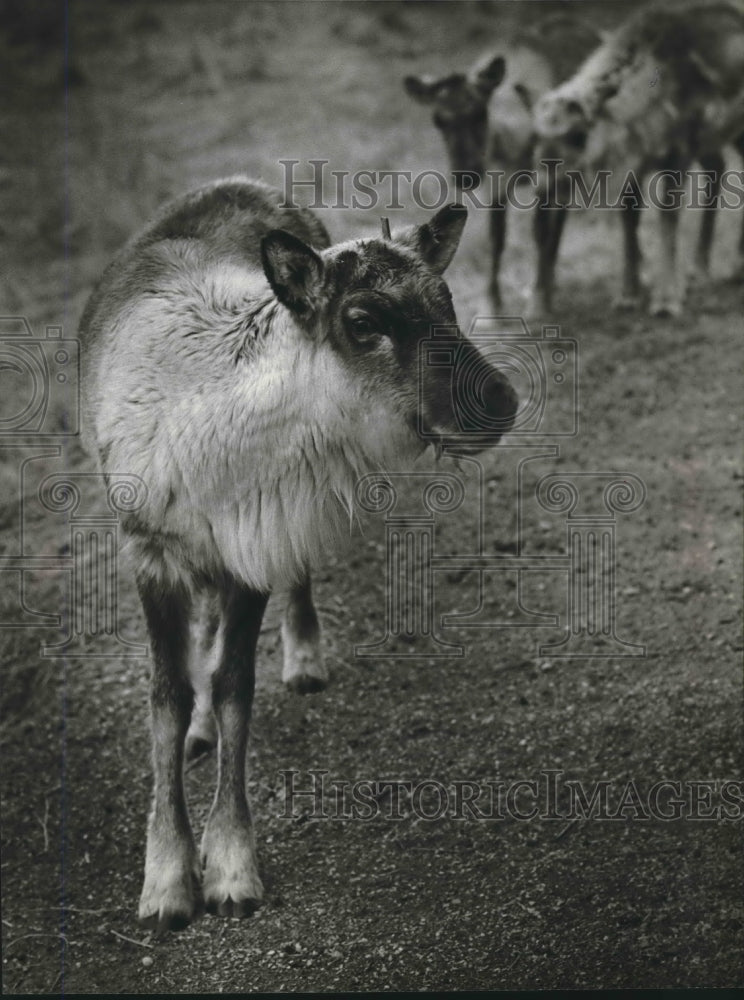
(249, 374)
(486, 121)
(666, 89)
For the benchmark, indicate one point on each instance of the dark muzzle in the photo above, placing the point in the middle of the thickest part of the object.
(484, 402)
(476, 405)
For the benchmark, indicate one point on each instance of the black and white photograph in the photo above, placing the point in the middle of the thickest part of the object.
(371, 379)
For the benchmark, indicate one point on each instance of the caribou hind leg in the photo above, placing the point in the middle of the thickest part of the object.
(548, 228)
(713, 164)
(205, 653)
(668, 291)
(304, 670)
(631, 292)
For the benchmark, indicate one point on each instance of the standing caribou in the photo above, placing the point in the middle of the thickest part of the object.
(249, 374)
(663, 91)
(486, 120)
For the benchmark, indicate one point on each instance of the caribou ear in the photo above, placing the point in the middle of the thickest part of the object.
(295, 271)
(421, 88)
(436, 241)
(488, 76)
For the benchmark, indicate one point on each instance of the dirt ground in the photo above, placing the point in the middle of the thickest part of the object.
(159, 97)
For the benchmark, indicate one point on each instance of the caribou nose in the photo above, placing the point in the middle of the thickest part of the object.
(466, 180)
(492, 411)
(486, 404)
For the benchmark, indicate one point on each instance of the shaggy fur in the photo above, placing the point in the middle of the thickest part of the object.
(238, 425)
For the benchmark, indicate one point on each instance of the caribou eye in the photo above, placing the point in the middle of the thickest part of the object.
(362, 327)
